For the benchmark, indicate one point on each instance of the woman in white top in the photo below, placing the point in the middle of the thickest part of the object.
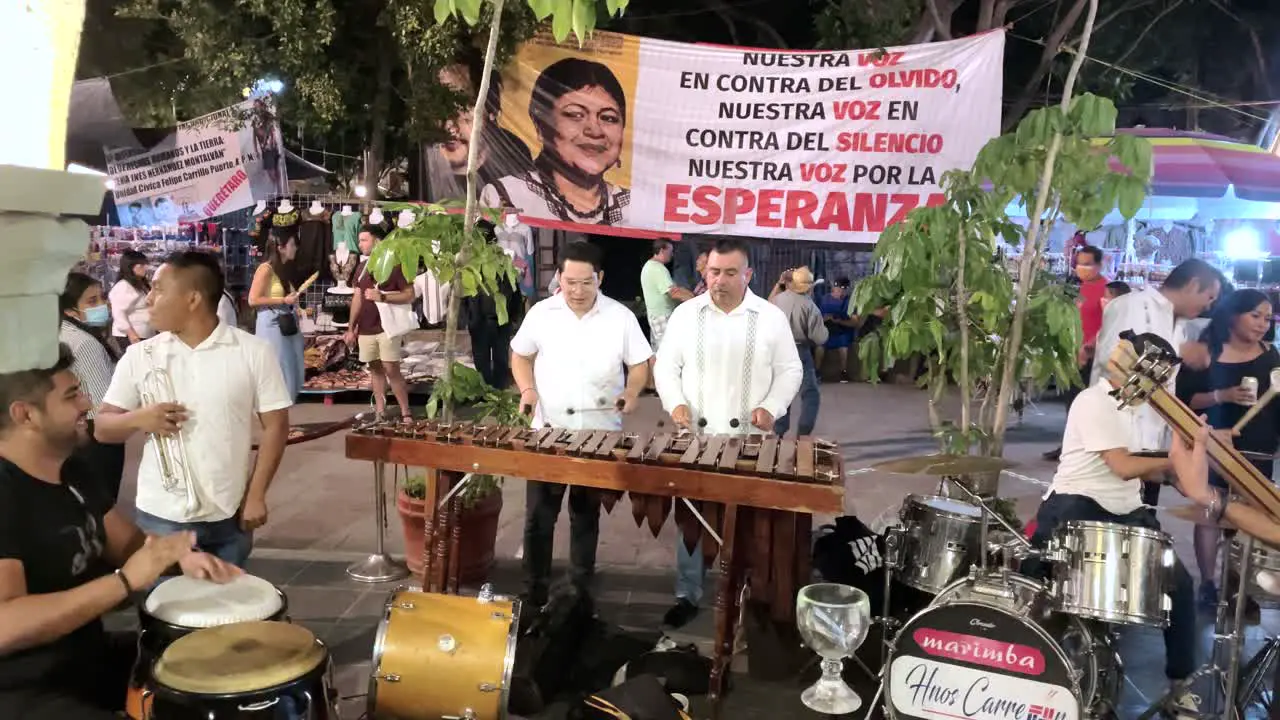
(85, 317)
(130, 317)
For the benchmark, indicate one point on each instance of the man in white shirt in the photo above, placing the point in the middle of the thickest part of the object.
(727, 364)
(1165, 311)
(221, 378)
(1097, 481)
(567, 360)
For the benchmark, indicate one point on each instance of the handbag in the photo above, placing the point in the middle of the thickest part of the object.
(397, 320)
(288, 323)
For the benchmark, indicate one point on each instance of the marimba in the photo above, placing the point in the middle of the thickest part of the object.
(757, 492)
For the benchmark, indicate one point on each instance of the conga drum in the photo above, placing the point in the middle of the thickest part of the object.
(245, 671)
(182, 605)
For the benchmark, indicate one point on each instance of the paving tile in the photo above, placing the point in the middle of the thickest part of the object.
(351, 640)
(326, 574)
(276, 572)
(321, 605)
(371, 605)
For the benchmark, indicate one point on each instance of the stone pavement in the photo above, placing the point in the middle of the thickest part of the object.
(322, 519)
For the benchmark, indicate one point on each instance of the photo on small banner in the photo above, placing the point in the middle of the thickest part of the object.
(214, 164)
(673, 137)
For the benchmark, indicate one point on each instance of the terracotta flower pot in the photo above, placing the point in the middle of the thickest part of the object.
(476, 544)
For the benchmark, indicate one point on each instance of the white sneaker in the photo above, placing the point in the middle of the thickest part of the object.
(1186, 705)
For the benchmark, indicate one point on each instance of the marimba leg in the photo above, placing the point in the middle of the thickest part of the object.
(431, 526)
(731, 572)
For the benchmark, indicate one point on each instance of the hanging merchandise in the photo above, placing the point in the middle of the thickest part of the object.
(346, 228)
(259, 229)
(315, 237)
(517, 242)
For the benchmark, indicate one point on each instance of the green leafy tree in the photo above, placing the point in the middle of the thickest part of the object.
(450, 243)
(952, 299)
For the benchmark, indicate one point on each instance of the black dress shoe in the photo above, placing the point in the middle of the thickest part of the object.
(680, 614)
(1053, 455)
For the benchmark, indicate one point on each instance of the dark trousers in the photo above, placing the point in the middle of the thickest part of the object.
(542, 507)
(810, 397)
(96, 692)
(491, 351)
(1180, 636)
(107, 461)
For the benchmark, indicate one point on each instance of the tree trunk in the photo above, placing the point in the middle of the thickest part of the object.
(962, 302)
(469, 220)
(1052, 46)
(379, 112)
(1031, 246)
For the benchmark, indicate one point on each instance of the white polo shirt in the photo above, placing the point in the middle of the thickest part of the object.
(1096, 424)
(581, 361)
(224, 382)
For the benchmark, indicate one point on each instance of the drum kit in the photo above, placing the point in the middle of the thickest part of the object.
(1011, 626)
(210, 651)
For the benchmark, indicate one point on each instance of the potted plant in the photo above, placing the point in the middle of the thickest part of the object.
(480, 498)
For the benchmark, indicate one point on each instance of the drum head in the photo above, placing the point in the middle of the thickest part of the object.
(241, 658)
(975, 661)
(947, 505)
(192, 603)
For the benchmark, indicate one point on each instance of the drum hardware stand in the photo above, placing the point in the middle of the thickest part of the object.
(1227, 645)
(379, 567)
(893, 542)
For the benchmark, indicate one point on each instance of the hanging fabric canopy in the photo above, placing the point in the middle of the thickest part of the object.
(1202, 165)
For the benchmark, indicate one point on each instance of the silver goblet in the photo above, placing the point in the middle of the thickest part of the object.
(833, 621)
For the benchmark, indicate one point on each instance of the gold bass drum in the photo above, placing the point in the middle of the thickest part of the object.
(444, 656)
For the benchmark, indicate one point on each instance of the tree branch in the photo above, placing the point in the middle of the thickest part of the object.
(943, 28)
(1052, 46)
(1031, 246)
(1141, 36)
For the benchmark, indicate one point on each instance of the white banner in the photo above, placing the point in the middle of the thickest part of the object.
(673, 137)
(215, 164)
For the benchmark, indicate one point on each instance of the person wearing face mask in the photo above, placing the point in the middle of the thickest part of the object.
(85, 319)
(1092, 288)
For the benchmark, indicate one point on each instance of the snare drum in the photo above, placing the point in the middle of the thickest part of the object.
(444, 656)
(245, 671)
(182, 605)
(942, 541)
(995, 638)
(1114, 573)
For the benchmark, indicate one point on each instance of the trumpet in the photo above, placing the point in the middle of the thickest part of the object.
(176, 475)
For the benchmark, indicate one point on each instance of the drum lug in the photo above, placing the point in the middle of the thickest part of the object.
(486, 594)
(467, 714)
(447, 644)
(488, 687)
(386, 677)
(404, 606)
(500, 616)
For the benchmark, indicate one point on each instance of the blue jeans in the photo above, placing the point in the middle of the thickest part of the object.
(223, 538)
(690, 571)
(1180, 636)
(810, 397)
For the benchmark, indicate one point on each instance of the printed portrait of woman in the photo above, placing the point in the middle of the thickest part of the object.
(579, 111)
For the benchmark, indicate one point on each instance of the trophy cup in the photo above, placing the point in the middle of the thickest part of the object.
(833, 621)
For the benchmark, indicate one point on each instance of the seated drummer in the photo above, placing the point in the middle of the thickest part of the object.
(1099, 480)
(67, 558)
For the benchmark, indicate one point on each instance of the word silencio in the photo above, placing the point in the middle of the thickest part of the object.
(151, 173)
(867, 155)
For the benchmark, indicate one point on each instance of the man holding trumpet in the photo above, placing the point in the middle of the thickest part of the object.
(67, 557)
(196, 388)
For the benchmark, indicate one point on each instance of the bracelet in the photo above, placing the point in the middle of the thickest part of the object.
(1224, 500)
(128, 587)
(522, 392)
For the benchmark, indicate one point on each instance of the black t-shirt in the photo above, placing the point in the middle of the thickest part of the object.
(1262, 434)
(57, 532)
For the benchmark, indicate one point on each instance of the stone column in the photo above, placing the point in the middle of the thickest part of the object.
(40, 239)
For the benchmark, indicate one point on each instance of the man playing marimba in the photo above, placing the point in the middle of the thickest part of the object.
(727, 364)
(567, 360)
(67, 558)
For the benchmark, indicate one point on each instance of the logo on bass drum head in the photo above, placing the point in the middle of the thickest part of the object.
(966, 661)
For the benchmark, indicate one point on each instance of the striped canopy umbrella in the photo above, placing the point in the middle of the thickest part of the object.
(1202, 165)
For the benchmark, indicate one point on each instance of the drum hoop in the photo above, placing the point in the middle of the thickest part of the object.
(916, 501)
(379, 641)
(509, 659)
(1040, 631)
(1116, 528)
(145, 614)
(321, 670)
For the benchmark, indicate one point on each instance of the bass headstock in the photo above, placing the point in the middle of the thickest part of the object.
(1139, 364)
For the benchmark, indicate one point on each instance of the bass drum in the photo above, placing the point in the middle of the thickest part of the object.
(989, 647)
